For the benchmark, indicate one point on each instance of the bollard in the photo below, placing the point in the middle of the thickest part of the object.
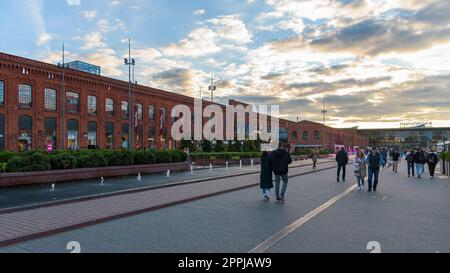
(168, 173)
(240, 164)
(53, 187)
(139, 177)
(252, 163)
(101, 181)
(226, 165)
(192, 169)
(210, 167)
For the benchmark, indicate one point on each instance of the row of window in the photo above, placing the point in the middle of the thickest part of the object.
(73, 137)
(305, 135)
(73, 103)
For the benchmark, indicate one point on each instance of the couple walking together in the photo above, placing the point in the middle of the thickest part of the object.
(276, 162)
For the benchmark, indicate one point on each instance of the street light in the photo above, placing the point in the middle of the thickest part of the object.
(130, 62)
(212, 88)
(63, 97)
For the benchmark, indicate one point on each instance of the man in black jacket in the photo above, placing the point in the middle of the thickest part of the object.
(432, 161)
(420, 159)
(280, 160)
(342, 160)
(374, 161)
(395, 160)
(410, 160)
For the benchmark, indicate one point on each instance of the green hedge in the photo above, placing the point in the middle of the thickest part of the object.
(61, 160)
(226, 155)
(308, 151)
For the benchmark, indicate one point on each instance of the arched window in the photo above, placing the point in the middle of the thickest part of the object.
(72, 102)
(294, 135)
(109, 107)
(316, 135)
(92, 105)
(151, 113)
(138, 111)
(25, 96)
(50, 99)
(305, 135)
(2, 93)
(25, 133)
(163, 115)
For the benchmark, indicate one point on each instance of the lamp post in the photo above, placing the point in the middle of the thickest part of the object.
(212, 88)
(130, 62)
(63, 66)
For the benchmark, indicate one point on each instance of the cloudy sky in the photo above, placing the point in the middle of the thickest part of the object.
(375, 63)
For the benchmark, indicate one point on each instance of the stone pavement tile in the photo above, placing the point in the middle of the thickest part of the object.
(405, 215)
(66, 215)
(31, 195)
(231, 222)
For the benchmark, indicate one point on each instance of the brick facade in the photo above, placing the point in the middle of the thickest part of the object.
(17, 70)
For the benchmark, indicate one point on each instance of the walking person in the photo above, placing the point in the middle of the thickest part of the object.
(384, 156)
(280, 160)
(342, 161)
(420, 160)
(315, 156)
(410, 162)
(374, 161)
(432, 161)
(360, 169)
(395, 160)
(266, 178)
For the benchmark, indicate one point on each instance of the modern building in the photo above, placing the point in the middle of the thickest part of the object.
(96, 112)
(85, 67)
(406, 137)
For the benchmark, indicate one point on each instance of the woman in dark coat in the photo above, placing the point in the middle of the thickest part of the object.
(266, 180)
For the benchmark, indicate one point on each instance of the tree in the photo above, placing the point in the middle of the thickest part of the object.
(206, 146)
(219, 147)
(187, 144)
(249, 146)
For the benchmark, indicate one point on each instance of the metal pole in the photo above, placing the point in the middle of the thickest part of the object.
(63, 99)
(130, 100)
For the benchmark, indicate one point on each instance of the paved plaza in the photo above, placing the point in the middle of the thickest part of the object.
(227, 215)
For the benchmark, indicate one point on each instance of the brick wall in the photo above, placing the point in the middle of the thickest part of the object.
(28, 178)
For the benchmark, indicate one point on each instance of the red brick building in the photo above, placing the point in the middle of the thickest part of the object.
(308, 133)
(96, 112)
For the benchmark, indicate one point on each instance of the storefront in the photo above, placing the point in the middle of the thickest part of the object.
(72, 134)
(25, 133)
(125, 136)
(92, 135)
(109, 135)
(50, 134)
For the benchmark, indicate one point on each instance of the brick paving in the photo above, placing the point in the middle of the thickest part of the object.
(38, 194)
(23, 225)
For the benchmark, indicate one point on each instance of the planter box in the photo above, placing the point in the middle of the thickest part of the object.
(222, 162)
(29, 178)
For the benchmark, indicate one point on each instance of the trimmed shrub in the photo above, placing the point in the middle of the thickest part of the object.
(62, 161)
(92, 160)
(144, 157)
(36, 161)
(14, 164)
(2, 167)
(5, 156)
(163, 156)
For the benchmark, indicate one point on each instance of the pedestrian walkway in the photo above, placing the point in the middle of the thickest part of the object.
(405, 215)
(38, 194)
(36, 222)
